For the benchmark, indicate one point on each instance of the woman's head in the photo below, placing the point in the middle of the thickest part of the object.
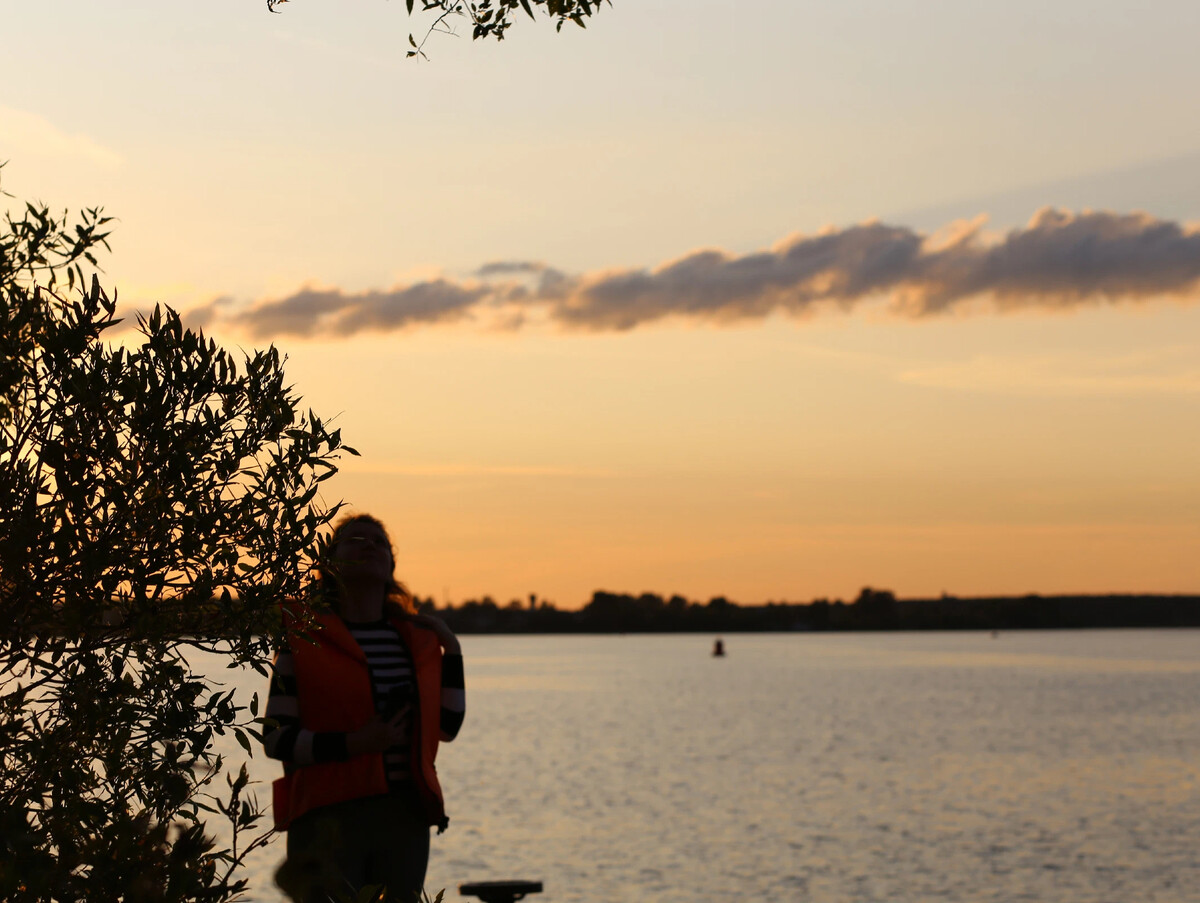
(361, 550)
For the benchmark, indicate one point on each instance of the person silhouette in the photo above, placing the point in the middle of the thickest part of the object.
(356, 710)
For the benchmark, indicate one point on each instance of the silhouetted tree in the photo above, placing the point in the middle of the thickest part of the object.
(818, 614)
(875, 609)
(156, 497)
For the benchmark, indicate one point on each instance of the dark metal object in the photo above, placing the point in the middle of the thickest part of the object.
(500, 891)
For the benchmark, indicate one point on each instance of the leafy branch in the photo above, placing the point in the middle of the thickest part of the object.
(490, 18)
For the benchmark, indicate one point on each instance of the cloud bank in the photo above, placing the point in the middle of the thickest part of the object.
(1060, 260)
(333, 313)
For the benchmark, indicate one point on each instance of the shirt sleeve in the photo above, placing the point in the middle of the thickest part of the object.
(283, 736)
(454, 696)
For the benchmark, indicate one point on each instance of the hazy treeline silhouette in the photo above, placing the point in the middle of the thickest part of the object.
(873, 609)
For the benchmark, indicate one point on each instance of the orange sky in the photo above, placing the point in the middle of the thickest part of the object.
(759, 430)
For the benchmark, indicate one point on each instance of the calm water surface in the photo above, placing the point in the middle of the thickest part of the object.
(1042, 766)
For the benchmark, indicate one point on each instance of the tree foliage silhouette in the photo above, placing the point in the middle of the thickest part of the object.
(158, 498)
(491, 18)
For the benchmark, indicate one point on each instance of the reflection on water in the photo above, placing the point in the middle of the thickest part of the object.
(1049, 766)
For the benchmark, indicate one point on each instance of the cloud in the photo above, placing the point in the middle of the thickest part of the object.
(1060, 260)
(511, 267)
(844, 266)
(331, 312)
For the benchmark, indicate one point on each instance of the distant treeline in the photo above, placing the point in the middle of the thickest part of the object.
(872, 610)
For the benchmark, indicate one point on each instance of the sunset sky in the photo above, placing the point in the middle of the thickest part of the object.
(770, 301)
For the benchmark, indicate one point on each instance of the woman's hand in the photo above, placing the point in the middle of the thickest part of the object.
(378, 734)
(445, 635)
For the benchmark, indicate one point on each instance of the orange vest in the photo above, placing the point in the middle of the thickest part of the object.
(334, 690)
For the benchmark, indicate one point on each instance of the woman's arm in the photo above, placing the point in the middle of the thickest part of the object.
(450, 644)
(283, 736)
(454, 696)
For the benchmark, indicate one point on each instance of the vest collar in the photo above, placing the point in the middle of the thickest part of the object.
(334, 630)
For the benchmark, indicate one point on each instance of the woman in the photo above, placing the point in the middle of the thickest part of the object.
(355, 712)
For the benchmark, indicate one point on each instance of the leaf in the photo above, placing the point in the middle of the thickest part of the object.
(245, 743)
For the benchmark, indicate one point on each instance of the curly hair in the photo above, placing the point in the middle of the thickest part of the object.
(395, 592)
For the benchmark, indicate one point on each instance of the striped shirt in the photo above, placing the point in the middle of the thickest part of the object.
(393, 685)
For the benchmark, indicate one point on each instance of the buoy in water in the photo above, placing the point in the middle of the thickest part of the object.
(718, 648)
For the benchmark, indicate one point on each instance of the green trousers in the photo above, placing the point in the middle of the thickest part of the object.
(336, 851)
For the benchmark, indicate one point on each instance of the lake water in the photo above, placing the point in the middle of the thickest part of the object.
(1045, 766)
